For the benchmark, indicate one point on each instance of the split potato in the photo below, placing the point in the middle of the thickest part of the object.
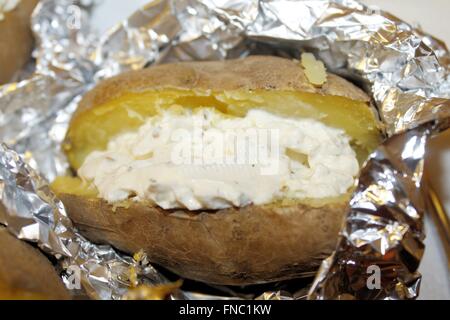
(235, 246)
(16, 39)
(26, 274)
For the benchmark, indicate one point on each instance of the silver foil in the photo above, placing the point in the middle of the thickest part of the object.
(405, 70)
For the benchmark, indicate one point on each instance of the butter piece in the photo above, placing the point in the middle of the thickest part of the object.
(315, 70)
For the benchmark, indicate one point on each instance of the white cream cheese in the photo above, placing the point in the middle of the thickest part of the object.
(7, 6)
(197, 160)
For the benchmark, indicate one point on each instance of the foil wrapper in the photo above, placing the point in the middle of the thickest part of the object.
(405, 70)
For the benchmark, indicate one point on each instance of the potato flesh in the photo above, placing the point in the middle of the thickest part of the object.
(92, 129)
(74, 186)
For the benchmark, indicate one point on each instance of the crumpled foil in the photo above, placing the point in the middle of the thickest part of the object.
(405, 70)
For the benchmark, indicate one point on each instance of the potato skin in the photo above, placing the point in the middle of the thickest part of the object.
(251, 73)
(25, 273)
(251, 245)
(16, 40)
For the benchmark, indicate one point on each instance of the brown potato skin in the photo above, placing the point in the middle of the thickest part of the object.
(25, 273)
(251, 245)
(16, 40)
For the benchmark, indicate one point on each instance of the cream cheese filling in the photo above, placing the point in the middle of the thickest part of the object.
(7, 6)
(203, 159)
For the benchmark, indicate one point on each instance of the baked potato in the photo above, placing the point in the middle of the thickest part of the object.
(26, 274)
(247, 243)
(16, 40)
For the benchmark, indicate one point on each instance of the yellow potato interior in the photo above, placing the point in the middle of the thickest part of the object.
(74, 186)
(92, 129)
